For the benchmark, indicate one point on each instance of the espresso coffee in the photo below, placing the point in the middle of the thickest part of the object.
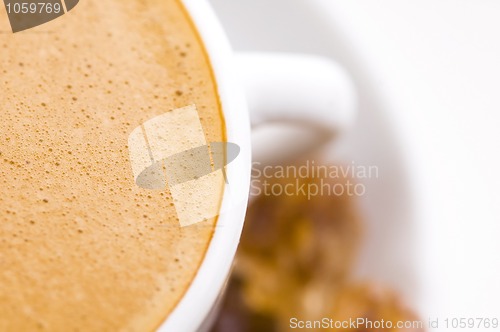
(82, 246)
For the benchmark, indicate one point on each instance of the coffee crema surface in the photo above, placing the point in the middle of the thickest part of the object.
(82, 247)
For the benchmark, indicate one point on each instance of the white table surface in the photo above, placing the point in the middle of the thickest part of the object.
(435, 66)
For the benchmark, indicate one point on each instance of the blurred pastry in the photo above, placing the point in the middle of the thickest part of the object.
(295, 260)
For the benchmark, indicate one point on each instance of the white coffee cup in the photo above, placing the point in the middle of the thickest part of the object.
(310, 91)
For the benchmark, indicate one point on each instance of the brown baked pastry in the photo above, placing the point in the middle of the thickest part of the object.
(295, 251)
(374, 303)
(295, 259)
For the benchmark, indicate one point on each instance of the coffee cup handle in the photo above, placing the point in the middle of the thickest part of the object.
(308, 91)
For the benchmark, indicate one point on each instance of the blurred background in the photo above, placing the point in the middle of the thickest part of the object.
(426, 232)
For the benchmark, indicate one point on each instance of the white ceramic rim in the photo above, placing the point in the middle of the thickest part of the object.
(197, 303)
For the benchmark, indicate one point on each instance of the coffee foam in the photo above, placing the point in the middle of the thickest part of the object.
(170, 152)
(81, 245)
